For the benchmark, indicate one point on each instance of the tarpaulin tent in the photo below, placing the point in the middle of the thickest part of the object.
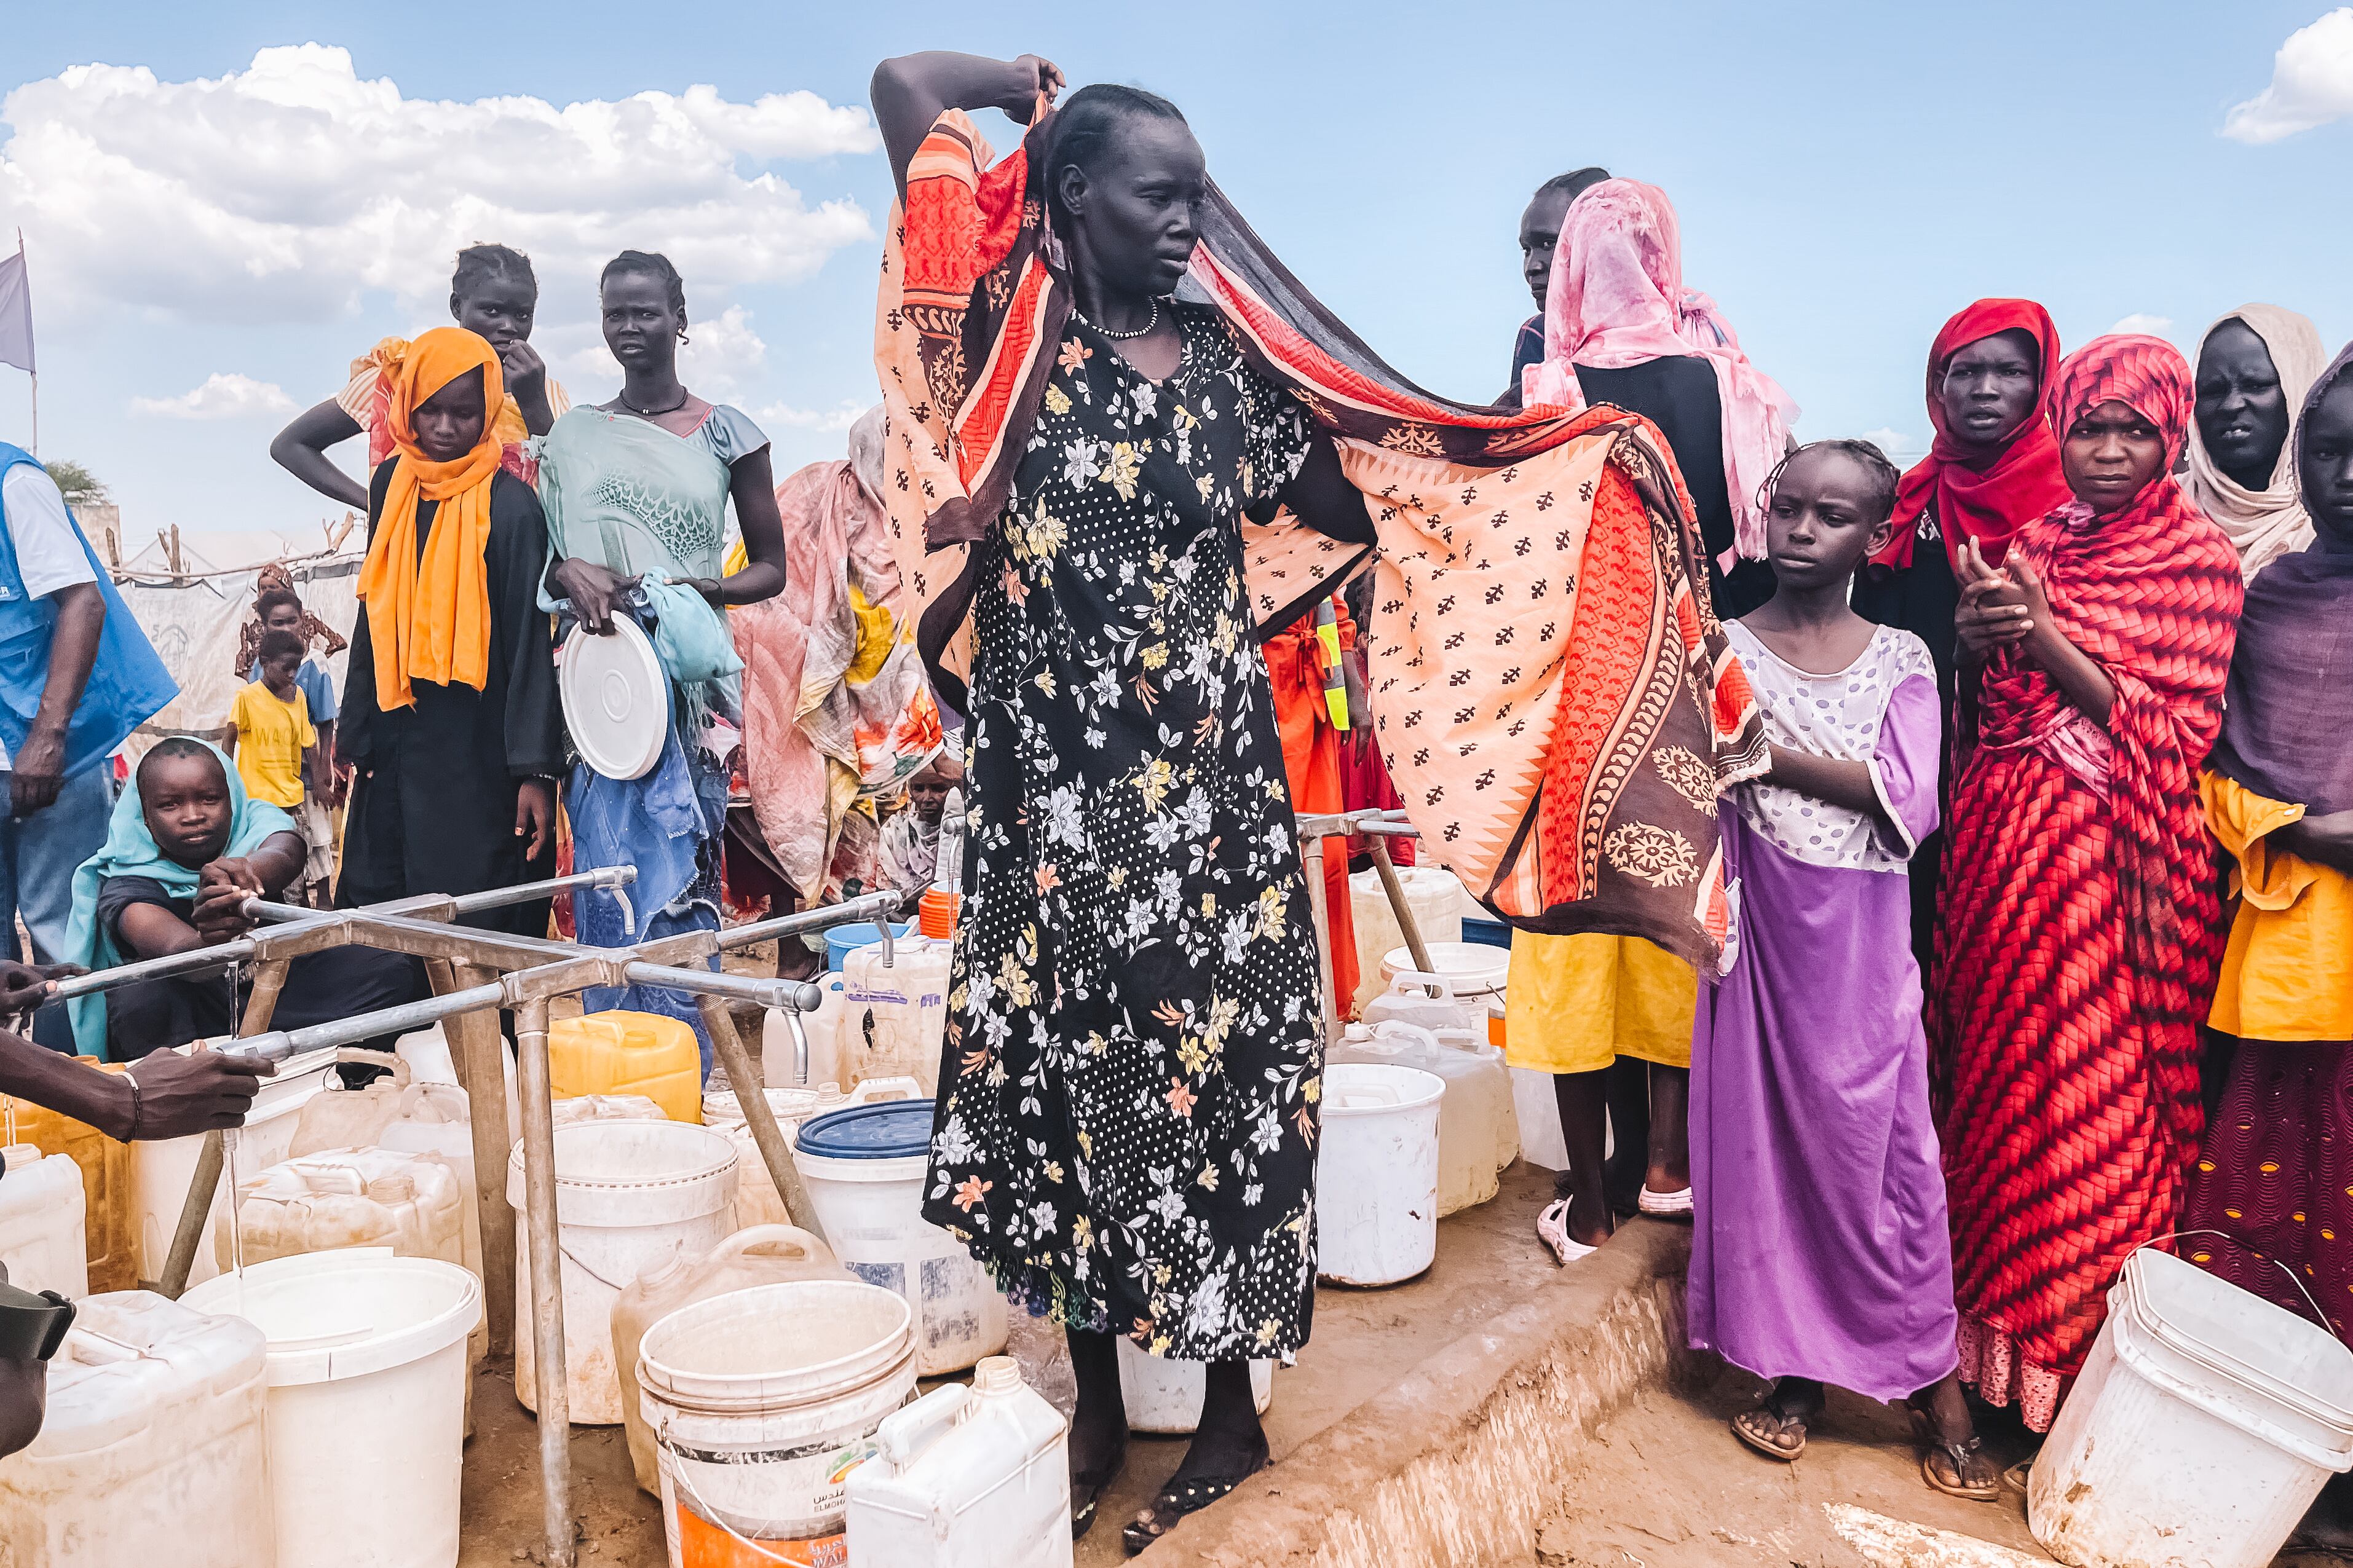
(192, 614)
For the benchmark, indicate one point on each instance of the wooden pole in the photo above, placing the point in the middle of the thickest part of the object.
(478, 1050)
(759, 1115)
(553, 1398)
(268, 980)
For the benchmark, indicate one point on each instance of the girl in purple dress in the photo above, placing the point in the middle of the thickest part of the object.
(1821, 1253)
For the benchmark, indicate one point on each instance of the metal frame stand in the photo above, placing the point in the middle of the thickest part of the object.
(474, 971)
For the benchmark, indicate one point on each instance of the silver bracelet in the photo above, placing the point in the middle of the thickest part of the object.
(138, 1107)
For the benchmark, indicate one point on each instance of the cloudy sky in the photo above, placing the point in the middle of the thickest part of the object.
(224, 204)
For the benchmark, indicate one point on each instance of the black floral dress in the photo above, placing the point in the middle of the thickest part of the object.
(1126, 1130)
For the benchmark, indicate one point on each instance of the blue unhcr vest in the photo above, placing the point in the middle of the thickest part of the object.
(127, 683)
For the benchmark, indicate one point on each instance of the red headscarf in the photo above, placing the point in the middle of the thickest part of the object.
(2146, 375)
(1990, 504)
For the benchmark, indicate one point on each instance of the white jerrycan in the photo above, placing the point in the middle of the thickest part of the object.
(965, 1478)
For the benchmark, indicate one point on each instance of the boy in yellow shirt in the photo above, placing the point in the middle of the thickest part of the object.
(270, 733)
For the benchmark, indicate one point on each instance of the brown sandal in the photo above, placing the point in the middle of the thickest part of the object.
(1763, 1443)
(1924, 1433)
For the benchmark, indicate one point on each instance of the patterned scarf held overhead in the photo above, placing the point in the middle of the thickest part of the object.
(2268, 524)
(2290, 699)
(2152, 593)
(1992, 503)
(430, 619)
(1556, 701)
(1617, 298)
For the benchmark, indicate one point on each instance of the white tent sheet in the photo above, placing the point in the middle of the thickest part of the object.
(194, 622)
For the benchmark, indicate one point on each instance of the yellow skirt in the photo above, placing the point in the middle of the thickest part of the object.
(1578, 1002)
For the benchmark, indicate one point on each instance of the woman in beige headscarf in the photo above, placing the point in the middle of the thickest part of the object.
(2254, 366)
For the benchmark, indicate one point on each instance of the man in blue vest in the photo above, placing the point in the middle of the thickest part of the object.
(76, 676)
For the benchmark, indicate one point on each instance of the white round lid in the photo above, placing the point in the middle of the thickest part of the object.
(616, 699)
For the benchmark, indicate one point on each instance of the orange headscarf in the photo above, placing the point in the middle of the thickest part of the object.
(429, 618)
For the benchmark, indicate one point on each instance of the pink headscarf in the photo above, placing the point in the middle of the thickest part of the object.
(1617, 298)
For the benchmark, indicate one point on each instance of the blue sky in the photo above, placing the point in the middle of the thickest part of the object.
(1847, 176)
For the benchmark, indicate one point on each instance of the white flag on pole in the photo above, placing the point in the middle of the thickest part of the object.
(16, 313)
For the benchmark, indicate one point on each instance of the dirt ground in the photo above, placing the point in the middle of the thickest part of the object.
(1365, 1340)
(1668, 1486)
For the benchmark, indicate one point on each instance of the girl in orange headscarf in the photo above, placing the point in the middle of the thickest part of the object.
(450, 715)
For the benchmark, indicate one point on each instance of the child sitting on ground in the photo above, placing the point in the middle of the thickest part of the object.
(272, 739)
(1820, 1252)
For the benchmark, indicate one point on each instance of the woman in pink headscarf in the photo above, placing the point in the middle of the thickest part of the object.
(1621, 328)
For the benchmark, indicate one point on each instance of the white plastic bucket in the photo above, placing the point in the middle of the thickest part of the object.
(1436, 898)
(368, 1400)
(1165, 1396)
(1480, 974)
(2202, 1428)
(631, 1197)
(1376, 1173)
(761, 1401)
(864, 1170)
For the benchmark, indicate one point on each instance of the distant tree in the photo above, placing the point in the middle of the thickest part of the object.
(76, 481)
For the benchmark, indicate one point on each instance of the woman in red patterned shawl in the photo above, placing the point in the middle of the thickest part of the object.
(2080, 925)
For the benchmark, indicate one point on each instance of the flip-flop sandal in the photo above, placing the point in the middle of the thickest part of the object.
(1959, 1454)
(2014, 1479)
(1676, 1204)
(1552, 1229)
(1087, 1490)
(1176, 1503)
(1763, 1444)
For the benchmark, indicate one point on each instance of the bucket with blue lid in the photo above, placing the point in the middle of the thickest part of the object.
(864, 1167)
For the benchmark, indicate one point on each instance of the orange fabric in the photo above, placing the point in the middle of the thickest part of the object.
(431, 618)
(1310, 759)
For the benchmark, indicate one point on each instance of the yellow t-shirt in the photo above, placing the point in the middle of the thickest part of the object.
(2287, 973)
(271, 738)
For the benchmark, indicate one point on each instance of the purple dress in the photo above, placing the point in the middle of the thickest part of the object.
(1821, 1249)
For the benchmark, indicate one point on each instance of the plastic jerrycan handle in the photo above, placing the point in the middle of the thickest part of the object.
(402, 1073)
(1409, 981)
(876, 1089)
(774, 1237)
(908, 1431)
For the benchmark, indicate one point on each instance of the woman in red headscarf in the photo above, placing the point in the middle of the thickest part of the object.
(2080, 927)
(1992, 470)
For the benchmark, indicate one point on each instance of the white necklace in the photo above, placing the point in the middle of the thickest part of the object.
(1149, 322)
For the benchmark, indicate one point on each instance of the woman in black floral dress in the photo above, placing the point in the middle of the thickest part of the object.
(1128, 1119)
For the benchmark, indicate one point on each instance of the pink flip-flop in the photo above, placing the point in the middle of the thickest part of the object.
(1552, 1229)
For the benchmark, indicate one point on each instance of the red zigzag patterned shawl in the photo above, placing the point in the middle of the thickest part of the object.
(1553, 693)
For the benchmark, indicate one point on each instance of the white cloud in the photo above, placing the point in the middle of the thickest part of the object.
(1899, 446)
(2142, 321)
(723, 357)
(222, 396)
(840, 417)
(2312, 83)
(285, 190)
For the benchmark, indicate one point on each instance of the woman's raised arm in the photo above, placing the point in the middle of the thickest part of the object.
(913, 91)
